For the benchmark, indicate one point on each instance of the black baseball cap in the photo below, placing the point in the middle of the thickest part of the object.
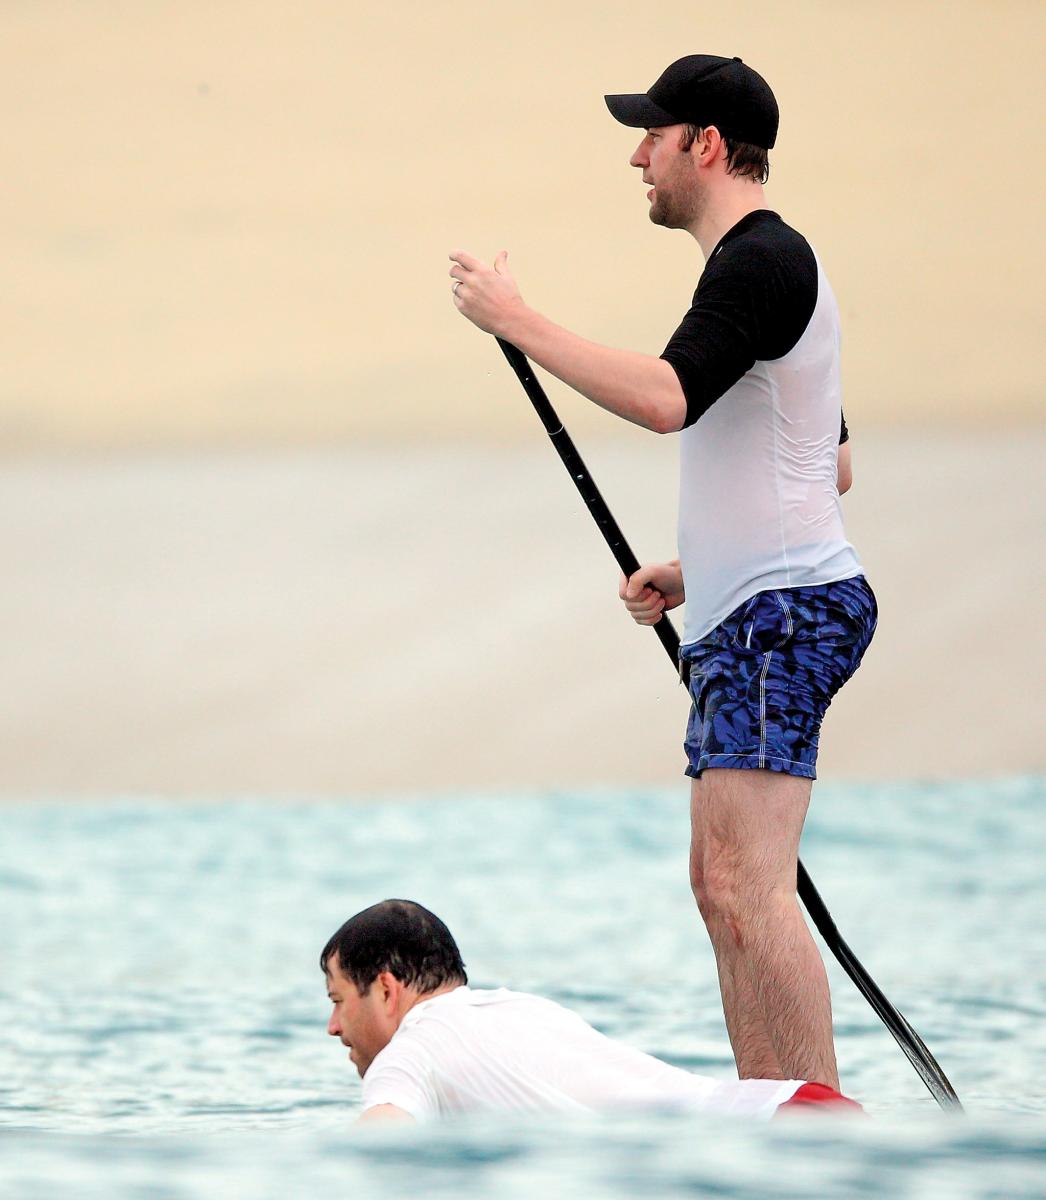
(704, 89)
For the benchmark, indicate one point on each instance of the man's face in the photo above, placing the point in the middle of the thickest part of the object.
(676, 198)
(364, 1023)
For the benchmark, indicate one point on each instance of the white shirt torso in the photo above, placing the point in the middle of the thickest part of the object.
(758, 502)
(501, 1051)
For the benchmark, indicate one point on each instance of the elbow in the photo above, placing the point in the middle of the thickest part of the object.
(667, 402)
(666, 422)
(844, 482)
(669, 415)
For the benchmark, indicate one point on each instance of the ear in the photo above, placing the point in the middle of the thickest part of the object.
(709, 146)
(390, 990)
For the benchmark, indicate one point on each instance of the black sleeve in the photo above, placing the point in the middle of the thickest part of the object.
(753, 303)
(844, 433)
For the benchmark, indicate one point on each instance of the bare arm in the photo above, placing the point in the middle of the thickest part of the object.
(383, 1112)
(844, 471)
(642, 389)
(638, 387)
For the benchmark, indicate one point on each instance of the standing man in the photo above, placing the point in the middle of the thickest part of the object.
(778, 613)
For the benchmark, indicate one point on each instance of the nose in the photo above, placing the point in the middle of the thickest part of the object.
(640, 158)
(334, 1025)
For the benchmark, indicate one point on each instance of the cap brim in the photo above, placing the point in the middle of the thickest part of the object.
(639, 112)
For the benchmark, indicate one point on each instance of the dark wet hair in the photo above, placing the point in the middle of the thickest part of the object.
(400, 937)
(742, 159)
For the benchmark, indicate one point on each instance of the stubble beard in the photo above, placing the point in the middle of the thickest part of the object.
(677, 207)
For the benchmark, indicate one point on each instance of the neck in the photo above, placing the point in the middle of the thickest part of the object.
(724, 209)
(410, 998)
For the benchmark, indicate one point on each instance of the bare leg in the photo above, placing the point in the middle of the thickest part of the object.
(750, 1041)
(746, 827)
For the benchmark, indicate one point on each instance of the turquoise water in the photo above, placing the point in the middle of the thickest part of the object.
(162, 1014)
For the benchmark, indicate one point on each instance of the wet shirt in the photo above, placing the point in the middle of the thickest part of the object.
(757, 357)
(474, 1050)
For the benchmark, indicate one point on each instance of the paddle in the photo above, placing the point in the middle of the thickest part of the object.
(910, 1042)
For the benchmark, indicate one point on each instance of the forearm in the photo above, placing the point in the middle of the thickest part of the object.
(844, 469)
(638, 387)
(383, 1113)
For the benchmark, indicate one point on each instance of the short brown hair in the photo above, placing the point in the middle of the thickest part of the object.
(400, 937)
(742, 159)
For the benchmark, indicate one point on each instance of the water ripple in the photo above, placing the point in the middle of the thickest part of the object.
(162, 1013)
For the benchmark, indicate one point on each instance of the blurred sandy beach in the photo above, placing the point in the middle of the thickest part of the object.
(400, 620)
(278, 522)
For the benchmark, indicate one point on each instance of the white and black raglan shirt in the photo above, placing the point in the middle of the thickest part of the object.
(757, 356)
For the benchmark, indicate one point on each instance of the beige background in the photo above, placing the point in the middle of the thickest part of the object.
(230, 219)
(277, 521)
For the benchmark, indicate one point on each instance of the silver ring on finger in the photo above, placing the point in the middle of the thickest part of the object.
(454, 289)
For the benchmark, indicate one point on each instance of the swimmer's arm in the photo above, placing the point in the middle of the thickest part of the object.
(384, 1112)
(844, 469)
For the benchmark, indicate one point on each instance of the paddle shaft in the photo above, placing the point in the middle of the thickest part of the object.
(913, 1046)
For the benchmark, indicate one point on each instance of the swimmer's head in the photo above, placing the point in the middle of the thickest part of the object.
(381, 963)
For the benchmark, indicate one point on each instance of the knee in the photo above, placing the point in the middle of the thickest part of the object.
(715, 889)
(697, 882)
(735, 903)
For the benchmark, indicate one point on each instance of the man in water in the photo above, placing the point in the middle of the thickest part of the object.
(427, 1045)
(778, 613)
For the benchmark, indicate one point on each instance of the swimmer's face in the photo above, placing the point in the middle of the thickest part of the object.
(364, 1021)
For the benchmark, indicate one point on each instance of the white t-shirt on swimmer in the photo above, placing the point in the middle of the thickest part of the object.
(487, 1051)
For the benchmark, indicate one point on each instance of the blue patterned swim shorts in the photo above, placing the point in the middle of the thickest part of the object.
(762, 680)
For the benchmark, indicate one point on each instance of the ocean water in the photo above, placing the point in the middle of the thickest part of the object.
(162, 1013)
